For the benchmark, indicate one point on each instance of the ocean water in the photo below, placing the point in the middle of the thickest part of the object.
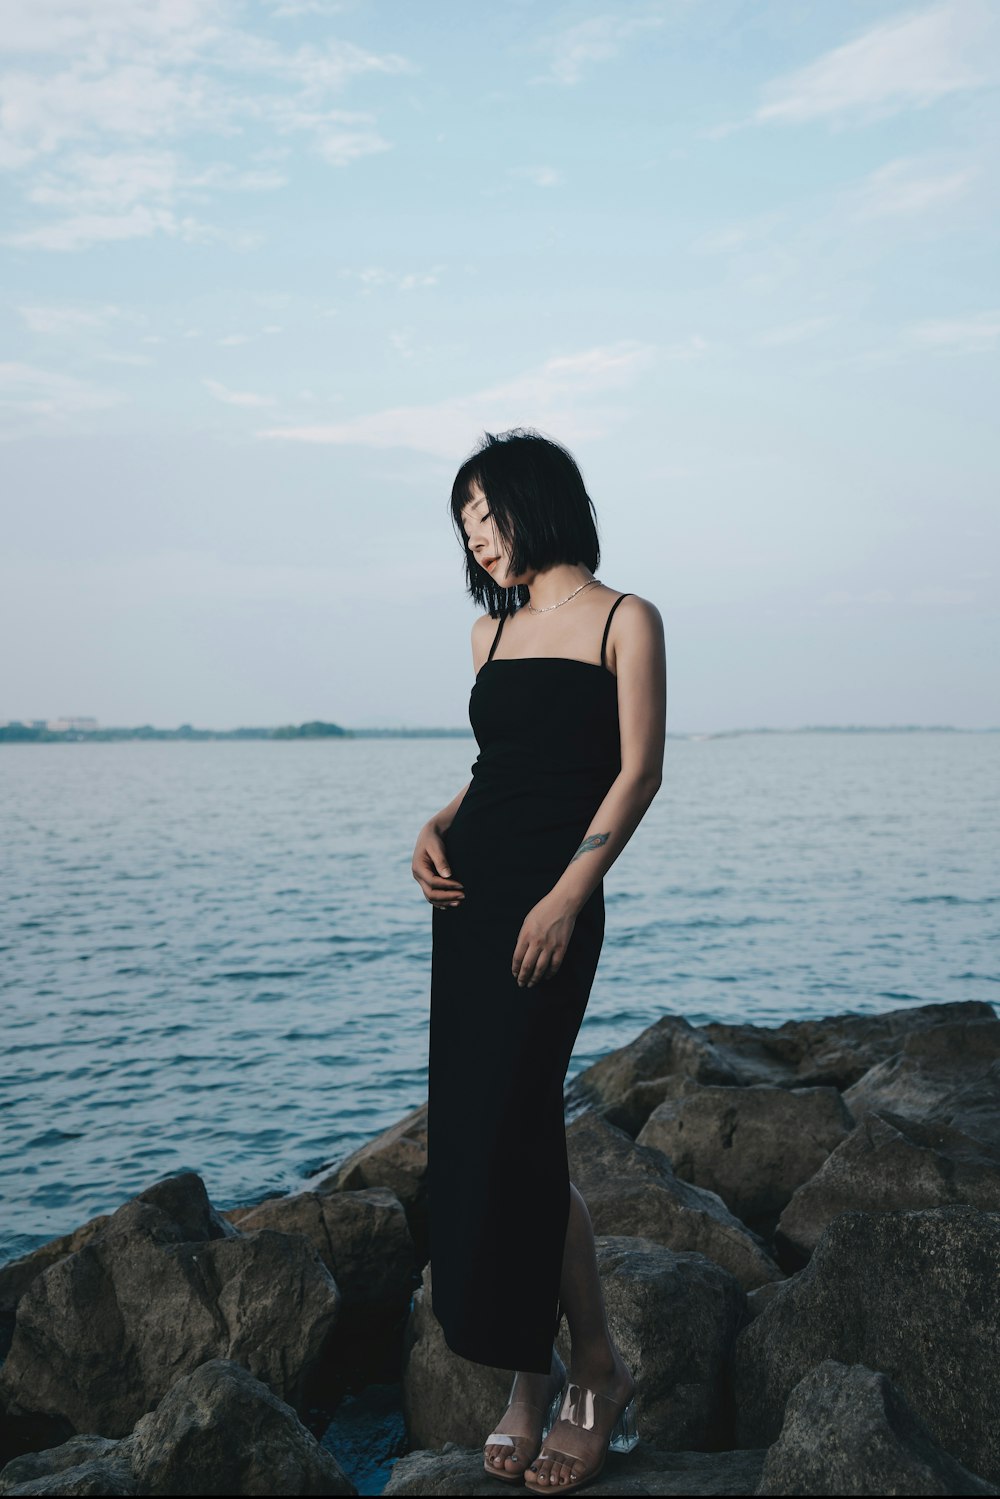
(213, 957)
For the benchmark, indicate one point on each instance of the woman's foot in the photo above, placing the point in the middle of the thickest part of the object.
(614, 1380)
(523, 1419)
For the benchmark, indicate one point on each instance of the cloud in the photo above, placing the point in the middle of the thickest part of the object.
(59, 321)
(557, 396)
(236, 397)
(978, 332)
(908, 61)
(40, 400)
(906, 186)
(538, 176)
(115, 81)
(83, 230)
(598, 39)
(373, 276)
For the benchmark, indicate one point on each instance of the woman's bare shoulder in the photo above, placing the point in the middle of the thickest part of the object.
(635, 608)
(484, 628)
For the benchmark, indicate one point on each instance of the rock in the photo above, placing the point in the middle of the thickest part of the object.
(83, 1465)
(833, 1051)
(758, 1299)
(221, 1431)
(364, 1240)
(445, 1398)
(101, 1335)
(16, 1276)
(889, 1162)
(397, 1159)
(645, 1470)
(673, 1316)
(627, 1084)
(361, 1236)
(217, 1431)
(949, 1075)
(631, 1189)
(752, 1145)
(849, 1430)
(910, 1294)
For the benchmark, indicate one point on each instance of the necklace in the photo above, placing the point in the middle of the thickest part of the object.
(565, 600)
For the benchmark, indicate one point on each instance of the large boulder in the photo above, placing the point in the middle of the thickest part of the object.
(752, 1145)
(627, 1084)
(674, 1318)
(888, 1162)
(833, 1051)
(949, 1074)
(849, 1430)
(217, 1431)
(102, 1334)
(632, 1189)
(364, 1240)
(910, 1294)
(16, 1275)
(397, 1159)
(361, 1236)
(455, 1470)
(446, 1398)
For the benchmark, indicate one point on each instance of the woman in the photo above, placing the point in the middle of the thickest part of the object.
(568, 708)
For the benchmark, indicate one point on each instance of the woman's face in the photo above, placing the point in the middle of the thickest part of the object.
(485, 542)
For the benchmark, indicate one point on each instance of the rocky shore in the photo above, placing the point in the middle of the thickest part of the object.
(799, 1243)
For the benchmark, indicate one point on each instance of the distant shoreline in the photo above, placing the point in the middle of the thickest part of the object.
(18, 733)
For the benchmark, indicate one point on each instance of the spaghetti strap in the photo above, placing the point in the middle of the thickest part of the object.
(607, 627)
(496, 637)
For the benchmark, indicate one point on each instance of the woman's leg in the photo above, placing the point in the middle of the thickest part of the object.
(595, 1362)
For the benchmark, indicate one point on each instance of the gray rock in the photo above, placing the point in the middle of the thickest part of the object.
(362, 1237)
(758, 1299)
(632, 1189)
(910, 1294)
(751, 1145)
(833, 1051)
(886, 1163)
(645, 1470)
(849, 1430)
(102, 1334)
(397, 1159)
(627, 1084)
(949, 1074)
(83, 1465)
(217, 1431)
(16, 1276)
(446, 1398)
(673, 1316)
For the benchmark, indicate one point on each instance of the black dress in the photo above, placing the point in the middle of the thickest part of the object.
(498, 1176)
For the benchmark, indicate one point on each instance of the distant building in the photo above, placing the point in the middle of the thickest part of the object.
(63, 725)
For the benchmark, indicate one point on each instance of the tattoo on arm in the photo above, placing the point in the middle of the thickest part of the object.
(594, 841)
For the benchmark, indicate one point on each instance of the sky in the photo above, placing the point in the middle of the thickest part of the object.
(268, 272)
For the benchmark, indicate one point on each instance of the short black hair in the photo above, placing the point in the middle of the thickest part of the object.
(539, 504)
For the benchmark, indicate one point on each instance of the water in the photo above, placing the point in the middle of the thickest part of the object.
(214, 957)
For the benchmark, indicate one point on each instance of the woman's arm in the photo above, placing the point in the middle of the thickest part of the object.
(640, 660)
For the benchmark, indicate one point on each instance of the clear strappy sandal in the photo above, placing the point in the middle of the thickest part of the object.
(504, 1439)
(578, 1408)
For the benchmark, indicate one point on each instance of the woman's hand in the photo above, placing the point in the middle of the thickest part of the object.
(430, 869)
(543, 940)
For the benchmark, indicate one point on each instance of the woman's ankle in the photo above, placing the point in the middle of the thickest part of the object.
(597, 1366)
